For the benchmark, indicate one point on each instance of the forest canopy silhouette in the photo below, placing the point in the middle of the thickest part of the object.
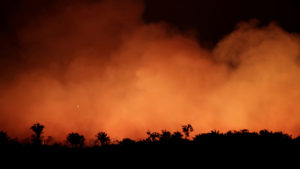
(76, 140)
(163, 145)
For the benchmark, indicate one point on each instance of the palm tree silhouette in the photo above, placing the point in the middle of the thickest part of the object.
(186, 129)
(36, 137)
(76, 140)
(103, 138)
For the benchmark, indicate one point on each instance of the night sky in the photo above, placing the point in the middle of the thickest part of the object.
(214, 19)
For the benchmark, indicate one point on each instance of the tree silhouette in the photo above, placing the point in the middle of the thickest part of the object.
(76, 140)
(165, 135)
(160, 143)
(186, 129)
(36, 137)
(176, 136)
(265, 133)
(103, 138)
(127, 142)
(4, 139)
(153, 136)
(297, 140)
(245, 131)
(215, 133)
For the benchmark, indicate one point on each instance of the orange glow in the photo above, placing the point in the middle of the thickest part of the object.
(98, 67)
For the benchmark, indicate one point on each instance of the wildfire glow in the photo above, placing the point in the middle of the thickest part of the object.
(126, 77)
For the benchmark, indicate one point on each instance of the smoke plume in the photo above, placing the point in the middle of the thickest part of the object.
(96, 66)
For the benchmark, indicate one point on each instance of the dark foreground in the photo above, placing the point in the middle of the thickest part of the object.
(211, 148)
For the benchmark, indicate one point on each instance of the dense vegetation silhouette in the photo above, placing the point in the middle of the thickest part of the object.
(178, 144)
(4, 139)
(76, 140)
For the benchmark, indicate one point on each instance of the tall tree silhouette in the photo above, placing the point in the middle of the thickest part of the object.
(36, 137)
(103, 138)
(186, 129)
(76, 140)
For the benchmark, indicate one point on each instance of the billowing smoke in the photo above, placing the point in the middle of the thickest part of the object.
(96, 66)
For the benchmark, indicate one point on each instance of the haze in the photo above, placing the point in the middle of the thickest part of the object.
(97, 66)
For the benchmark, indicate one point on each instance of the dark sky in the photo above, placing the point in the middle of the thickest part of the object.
(215, 18)
(212, 18)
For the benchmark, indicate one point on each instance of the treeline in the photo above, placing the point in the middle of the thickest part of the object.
(76, 140)
(158, 149)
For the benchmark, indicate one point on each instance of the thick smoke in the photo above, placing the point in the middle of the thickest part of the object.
(95, 66)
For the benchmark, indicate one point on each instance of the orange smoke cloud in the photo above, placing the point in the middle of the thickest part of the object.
(96, 66)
